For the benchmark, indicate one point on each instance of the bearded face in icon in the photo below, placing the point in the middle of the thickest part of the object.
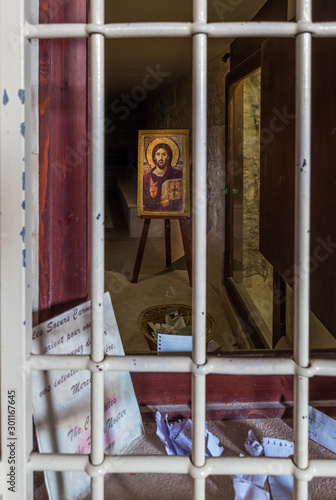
(162, 171)
(162, 156)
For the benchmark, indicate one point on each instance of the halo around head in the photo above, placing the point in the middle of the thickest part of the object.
(162, 140)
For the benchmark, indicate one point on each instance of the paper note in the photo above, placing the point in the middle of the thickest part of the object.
(281, 486)
(177, 437)
(61, 399)
(174, 343)
(322, 429)
(245, 490)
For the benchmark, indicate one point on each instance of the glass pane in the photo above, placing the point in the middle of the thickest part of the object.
(251, 272)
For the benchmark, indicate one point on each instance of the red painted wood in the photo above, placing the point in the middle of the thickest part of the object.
(175, 389)
(63, 193)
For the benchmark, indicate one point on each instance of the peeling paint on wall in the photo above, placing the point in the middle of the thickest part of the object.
(23, 180)
(23, 129)
(24, 257)
(5, 98)
(23, 234)
(21, 95)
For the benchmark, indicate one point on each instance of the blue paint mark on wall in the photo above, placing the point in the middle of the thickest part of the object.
(5, 98)
(23, 234)
(24, 257)
(23, 180)
(23, 129)
(21, 94)
(24, 204)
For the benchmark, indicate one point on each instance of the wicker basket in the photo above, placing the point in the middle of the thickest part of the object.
(157, 314)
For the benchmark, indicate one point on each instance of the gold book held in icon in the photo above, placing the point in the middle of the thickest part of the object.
(172, 189)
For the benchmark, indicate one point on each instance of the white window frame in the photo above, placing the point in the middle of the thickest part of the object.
(16, 297)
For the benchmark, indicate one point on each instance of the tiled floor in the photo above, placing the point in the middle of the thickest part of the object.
(156, 285)
(232, 435)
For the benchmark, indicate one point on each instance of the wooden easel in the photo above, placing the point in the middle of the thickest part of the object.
(143, 239)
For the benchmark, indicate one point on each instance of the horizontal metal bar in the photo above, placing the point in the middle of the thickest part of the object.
(184, 364)
(269, 29)
(144, 30)
(122, 30)
(178, 30)
(111, 464)
(181, 465)
(248, 366)
(58, 362)
(58, 462)
(323, 30)
(164, 364)
(269, 466)
(323, 367)
(69, 30)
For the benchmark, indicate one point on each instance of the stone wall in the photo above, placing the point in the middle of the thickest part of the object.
(257, 272)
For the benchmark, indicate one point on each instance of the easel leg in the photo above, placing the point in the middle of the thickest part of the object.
(141, 250)
(168, 244)
(186, 247)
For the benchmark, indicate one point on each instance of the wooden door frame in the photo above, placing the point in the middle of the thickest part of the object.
(253, 62)
(250, 64)
(64, 163)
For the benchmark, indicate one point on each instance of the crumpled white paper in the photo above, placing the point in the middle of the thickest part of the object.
(252, 446)
(177, 437)
(322, 429)
(245, 490)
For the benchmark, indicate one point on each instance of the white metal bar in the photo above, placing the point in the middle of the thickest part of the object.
(199, 207)
(145, 30)
(302, 192)
(177, 30)
(171, 364)
(112, 464)
(15, 259)
(59, 30)
(199, 161)
(323, 367)
(58, 462)
(97, 183)
(32, 9)
(182, 465)
(302, 242)
(184, 364)
(97, 45)
(165, 464)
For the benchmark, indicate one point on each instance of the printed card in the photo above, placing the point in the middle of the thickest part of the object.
(61, 399)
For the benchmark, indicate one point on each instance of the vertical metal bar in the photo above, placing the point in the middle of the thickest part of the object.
(33, 17)
(97, 44)
(15, 261)
(199, 127)
(302, 241)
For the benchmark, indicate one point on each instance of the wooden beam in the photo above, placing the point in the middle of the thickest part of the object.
(237, 396)
(64, 164)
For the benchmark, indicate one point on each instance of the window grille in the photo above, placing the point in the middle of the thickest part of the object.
(16, 250)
